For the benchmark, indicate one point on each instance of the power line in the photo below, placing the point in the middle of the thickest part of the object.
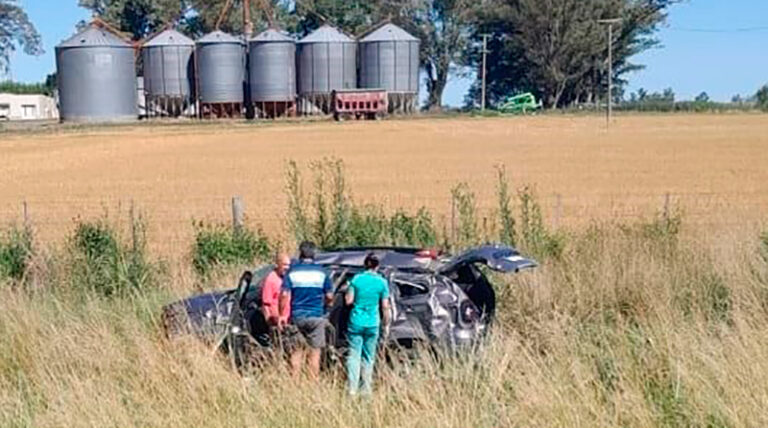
(719, 30)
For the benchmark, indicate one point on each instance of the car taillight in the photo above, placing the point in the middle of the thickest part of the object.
(428, 253)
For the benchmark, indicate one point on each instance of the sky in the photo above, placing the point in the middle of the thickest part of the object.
(717, 46)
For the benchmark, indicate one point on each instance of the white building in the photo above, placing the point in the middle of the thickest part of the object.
(27, 107)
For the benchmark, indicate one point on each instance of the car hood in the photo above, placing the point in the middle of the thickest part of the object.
(213, 305)
(500, 258)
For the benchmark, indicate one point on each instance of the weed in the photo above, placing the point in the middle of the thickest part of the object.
(507, 233)
(535, 238)
(463, 199)
(100, 262)
(16, 251)
(367, 226)
(416, 230)
(298, 222)
(217, 245)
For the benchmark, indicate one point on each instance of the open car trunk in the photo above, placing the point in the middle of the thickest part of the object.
(465, 271)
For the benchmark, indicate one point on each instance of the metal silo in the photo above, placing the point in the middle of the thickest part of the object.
(221, 75)
(168, 73)
(272, 73)
(389, 59)
(326, 61)
(96, 78)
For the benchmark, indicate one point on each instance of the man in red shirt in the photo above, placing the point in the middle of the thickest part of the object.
(270, 292)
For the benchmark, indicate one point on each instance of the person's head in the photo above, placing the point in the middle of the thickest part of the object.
(307, 250)
(371, 261)
(282, 263)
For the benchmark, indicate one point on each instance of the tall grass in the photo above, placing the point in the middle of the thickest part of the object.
(624, 329)
(646, 324)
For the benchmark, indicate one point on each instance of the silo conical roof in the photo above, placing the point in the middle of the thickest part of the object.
(389, 33)
(218, 37)
(326, 34)
(93, 36)
(272, 35)
(169, 38)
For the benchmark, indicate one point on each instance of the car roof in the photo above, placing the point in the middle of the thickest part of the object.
(401, 258)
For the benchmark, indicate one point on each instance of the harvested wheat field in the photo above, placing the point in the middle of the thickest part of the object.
(712, 166)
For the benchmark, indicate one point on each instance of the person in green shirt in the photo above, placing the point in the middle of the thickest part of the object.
(368, 294)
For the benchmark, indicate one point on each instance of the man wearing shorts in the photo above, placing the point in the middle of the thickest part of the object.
(308, 288)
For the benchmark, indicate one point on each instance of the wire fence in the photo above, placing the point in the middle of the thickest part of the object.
(170, 223)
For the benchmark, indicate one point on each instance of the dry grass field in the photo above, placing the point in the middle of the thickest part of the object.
(631, 325)
(709, 164)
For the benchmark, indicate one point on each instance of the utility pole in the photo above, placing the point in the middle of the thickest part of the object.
(247, 24)
(610, 23)
(485, 52)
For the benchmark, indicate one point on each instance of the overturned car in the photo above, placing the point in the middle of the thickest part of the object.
(437, 300)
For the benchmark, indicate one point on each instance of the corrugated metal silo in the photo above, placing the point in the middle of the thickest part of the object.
(96, 78)
(221, 74)
(389, 59)
(272, 73)
(326, 61)
(168, 73)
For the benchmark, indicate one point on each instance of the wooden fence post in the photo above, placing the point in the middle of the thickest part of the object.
(453, 222)
(238, 213)
(558, 210)
(25, 213)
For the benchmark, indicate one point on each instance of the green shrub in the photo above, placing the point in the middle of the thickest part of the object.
(535, 238)
(101, 262)
(367, 226)
(15, 253)
(218, 245)
(298, 222)
(417, 230)
(329, 217)
(465, 208)
(507, 233)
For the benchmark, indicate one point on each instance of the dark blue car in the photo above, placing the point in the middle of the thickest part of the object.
(437, 300)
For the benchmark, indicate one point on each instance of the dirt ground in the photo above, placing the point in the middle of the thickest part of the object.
(712, 166)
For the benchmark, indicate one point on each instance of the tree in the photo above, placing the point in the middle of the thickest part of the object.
(702, 98)
(140, 18)
(762, 98)
(444, 27)
(16, 30)
(560, 49)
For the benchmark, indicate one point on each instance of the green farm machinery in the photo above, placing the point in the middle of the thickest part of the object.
(520, 104)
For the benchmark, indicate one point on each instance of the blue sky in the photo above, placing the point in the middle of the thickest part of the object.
(720, 63)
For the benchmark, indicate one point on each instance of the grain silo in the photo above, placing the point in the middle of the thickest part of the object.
(221, 75)
(272, 74)
(168, 73)
(96, 78)
(326, 61)
(389, 59)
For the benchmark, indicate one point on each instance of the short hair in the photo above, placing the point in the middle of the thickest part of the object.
(307, 250)
(371, 261)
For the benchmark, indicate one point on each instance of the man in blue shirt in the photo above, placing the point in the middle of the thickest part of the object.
(309, 289)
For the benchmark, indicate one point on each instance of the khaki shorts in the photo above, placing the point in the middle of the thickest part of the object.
(306, 332)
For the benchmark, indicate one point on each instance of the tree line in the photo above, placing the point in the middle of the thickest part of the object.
(556, 49)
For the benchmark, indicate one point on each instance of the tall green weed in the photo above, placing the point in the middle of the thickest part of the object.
(218, 245)
(16, 250)
(102, 261)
